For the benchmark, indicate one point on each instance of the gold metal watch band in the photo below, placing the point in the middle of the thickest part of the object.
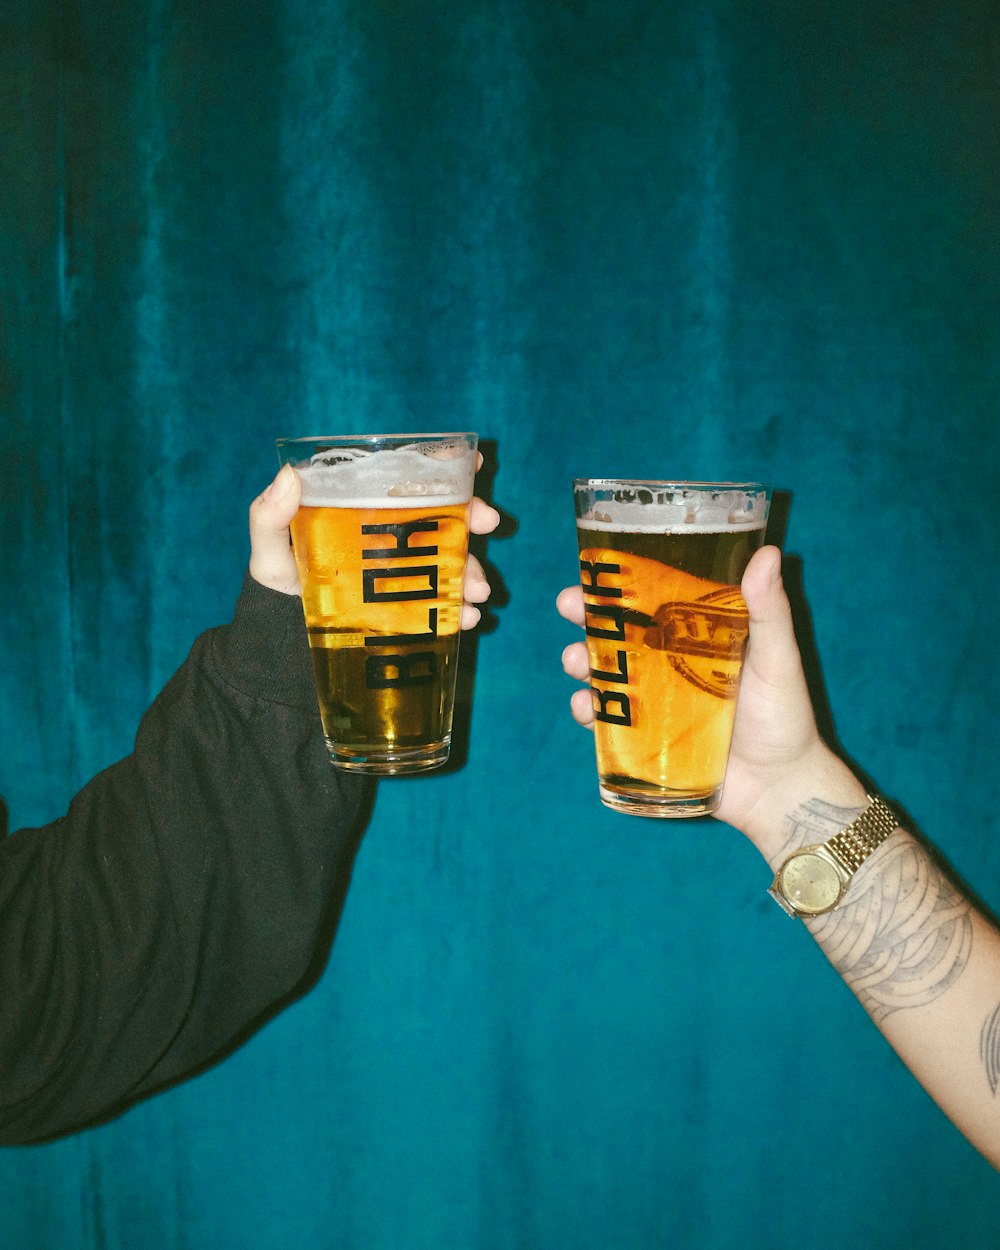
(853, 845)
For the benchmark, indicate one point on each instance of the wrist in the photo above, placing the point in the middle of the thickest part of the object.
(820, 776)
(264, 652)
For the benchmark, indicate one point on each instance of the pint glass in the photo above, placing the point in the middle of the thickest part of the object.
(380, 543)
(661, 565)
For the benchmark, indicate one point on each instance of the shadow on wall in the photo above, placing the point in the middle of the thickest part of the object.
(792, 577)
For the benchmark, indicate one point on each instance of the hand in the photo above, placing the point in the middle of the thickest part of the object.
(777, 754)
(272, 563)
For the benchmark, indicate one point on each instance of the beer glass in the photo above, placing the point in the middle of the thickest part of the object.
(380, 543)
(666, 625)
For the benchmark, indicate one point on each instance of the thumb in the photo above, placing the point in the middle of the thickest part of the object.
(773, 651)
(271, 560)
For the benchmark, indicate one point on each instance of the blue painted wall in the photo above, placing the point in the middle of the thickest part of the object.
(708, 239)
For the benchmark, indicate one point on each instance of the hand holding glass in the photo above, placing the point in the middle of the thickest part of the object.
(380, 543)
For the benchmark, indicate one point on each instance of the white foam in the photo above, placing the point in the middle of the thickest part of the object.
(417, 476)
(615, 527)
(676, 511)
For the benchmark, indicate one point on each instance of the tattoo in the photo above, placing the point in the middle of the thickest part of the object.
(989, 1049)
(904, 935)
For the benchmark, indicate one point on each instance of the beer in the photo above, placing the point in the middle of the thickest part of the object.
(380, 544)
(666, 626)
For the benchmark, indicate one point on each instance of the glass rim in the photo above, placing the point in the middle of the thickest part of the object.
(668, 484)
(373, 438)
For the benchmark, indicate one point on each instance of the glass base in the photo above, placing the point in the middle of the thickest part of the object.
(662, 804)
(389, 761)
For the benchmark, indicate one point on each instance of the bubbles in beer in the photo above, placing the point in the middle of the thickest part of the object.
(442, 451)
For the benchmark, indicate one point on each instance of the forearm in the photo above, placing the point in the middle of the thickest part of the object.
(922, 961)
(182, 897)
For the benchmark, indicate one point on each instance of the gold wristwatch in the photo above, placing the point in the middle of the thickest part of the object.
(814, 880)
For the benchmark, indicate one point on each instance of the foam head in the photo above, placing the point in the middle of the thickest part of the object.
(671, 507)
(432, 474)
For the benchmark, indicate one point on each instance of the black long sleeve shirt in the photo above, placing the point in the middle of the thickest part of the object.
(190, 890)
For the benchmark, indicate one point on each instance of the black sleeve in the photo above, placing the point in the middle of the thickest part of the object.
(190, 890)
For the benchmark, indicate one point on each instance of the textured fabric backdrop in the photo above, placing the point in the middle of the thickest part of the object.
(704, 239)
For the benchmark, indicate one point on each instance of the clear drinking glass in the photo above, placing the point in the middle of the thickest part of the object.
(661, 565)
(380, 542)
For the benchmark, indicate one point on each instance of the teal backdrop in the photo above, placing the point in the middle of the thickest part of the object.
(709, 239)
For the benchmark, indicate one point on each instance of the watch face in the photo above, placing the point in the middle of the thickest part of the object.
(811, 883)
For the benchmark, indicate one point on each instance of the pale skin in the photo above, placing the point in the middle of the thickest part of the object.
(272, 564)
(921, 959)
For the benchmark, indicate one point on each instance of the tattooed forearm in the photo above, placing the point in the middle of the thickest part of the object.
(989, 1049)
(904, 933)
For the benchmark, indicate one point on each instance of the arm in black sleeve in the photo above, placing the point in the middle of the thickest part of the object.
(188, 891)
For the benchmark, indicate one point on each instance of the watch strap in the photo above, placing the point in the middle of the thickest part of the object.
(853, 845)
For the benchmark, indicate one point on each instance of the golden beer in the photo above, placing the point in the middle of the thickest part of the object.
(666, 628)
(381, 580)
